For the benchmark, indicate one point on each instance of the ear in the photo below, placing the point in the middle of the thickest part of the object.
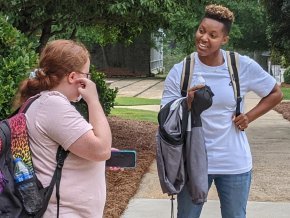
(72, 77)
(225, 40)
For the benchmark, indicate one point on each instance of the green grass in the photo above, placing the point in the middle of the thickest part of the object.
(161, 75)
(132, 114)
(286, 92)
(131, 101)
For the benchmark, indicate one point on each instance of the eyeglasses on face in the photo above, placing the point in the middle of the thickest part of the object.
(88, 75)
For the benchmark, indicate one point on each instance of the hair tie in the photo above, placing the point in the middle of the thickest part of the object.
(32, 74)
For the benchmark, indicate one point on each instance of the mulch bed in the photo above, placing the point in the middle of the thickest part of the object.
(122, 185)
(284, 109)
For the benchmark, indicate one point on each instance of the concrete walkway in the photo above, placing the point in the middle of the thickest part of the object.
(149, 202)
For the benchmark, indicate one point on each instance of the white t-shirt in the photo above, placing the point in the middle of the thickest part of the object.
(53, 121)
(228, 148)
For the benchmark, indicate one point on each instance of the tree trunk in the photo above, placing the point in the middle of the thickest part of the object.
(104, 57)
(45, 35)
(73, 34)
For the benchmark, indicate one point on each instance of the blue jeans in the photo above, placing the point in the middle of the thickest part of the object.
(233, 191)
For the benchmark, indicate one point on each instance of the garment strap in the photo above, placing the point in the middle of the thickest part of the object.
(172, 205)
(60, 157)
(187, 72)
(233, 65)
(27, 104)
(23, 108)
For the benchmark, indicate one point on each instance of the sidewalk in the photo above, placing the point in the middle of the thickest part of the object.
(270, 129)
(160, 208)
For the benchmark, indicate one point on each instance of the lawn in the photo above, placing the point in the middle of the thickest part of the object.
(131, 101)
(134, 114)
(286, 92)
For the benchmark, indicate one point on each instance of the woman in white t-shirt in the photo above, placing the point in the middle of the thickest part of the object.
(62, 77)
(228, 150)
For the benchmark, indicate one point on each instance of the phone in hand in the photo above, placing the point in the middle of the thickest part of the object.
(122, 158)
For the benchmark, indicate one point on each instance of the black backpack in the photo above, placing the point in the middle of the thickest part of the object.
(14, 143)
(233, 66)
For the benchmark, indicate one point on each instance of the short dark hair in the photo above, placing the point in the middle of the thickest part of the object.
(221, 14)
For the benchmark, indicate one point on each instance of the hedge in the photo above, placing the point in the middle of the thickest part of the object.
(17, 57)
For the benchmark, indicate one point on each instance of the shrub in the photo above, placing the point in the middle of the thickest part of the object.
(106, 95)
(287, 75)
(17, 57)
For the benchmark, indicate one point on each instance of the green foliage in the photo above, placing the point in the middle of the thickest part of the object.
(284, 62)
(183, 24)
(249, 29)
(276, 57)
(17, 57)
(98, 35)
(244, 34)
(105, 22)
(278, 12)
(106, 95)
(126, 19)
(173, 52)
(287, 75)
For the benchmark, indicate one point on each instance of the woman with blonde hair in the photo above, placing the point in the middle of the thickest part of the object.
(62, 77)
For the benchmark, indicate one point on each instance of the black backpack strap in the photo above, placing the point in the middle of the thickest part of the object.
(60, 158)
(186, 75)
(232, 58)
(5, 134)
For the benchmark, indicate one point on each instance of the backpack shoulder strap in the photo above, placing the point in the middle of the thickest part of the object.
(233, 65)
(27, 104)
(61, 155)
(187, 72)
(23, 108)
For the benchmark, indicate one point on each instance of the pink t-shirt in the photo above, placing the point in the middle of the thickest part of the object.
(53, 121)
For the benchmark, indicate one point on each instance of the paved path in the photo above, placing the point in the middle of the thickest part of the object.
(140, 87)
(149, 202)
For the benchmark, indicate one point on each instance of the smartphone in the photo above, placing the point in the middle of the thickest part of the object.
(122, 158)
